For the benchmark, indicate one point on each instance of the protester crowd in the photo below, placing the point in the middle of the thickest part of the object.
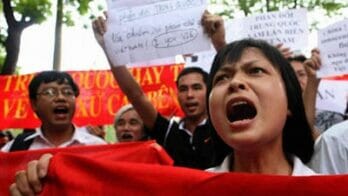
(254, 113)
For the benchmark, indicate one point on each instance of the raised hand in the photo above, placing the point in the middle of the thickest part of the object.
(96, 130)
(214, 27)
(99, 28)
(313, 64)
(286, 52)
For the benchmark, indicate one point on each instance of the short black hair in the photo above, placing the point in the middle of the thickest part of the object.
(299, 58)
(51, 76)
(188, 70)
(297, 134)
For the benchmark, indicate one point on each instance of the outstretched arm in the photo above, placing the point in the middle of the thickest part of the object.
(126, 81)
(310, 93)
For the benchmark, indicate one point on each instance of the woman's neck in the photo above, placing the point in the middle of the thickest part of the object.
(272, 162)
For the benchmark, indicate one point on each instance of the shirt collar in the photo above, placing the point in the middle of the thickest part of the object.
(182, 125)
(77, 136)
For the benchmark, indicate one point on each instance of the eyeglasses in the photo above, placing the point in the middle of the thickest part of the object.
(53, 92)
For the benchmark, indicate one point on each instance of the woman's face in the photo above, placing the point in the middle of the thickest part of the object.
(248, 103)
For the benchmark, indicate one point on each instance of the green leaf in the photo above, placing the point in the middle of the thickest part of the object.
(36, 10)
(67, 19)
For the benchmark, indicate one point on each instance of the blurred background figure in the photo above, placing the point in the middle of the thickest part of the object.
(128, 125)
(97, 130)
(5, 136)
(297, 63)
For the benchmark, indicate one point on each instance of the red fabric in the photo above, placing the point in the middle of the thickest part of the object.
(77, 175)
(139, 152)
(252, 184)
(122, 169)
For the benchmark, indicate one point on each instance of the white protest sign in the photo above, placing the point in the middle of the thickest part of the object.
(155, 31)
(288, 27)
(116, 4)
(203, 60)
(332, 95)
(333, 46)
(155, 62)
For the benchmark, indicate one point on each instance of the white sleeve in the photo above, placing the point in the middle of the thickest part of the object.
(330, 155)
(7, 146)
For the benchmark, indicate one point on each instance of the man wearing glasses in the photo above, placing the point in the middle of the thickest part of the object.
(52, 97)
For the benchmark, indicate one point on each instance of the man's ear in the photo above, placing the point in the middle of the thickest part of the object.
(33, 105)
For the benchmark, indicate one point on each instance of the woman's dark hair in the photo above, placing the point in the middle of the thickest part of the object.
(51, 76)
(297, 134)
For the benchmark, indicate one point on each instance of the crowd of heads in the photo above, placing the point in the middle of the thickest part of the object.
(252, 101)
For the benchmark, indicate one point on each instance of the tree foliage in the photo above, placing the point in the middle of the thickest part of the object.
(35, 10)
(20, 14)
(65, 13)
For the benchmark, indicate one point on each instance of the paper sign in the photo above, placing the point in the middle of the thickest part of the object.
(333, 45)
(116, 4)
(332, 95)
(155, 31)
(288, 27)
(155, 62)
(203, 60)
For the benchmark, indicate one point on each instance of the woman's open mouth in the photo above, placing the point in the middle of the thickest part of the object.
(240, 110)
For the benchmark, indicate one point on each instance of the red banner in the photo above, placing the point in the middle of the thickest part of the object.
(341, 77)
(74, 175)
(147, 152)
(143, 168)
(100, 96)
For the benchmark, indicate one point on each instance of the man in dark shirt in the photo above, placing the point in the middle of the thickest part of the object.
(187, 142)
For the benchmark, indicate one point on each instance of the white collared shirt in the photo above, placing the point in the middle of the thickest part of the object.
(299, 169)
(331, 151)
(80, 137)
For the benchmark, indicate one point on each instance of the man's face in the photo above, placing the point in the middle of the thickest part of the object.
(129, 127)
(3, 140)
(192, 95)
(54, 104)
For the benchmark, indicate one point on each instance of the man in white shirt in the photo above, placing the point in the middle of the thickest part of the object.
(331, 151)
(52, 97)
